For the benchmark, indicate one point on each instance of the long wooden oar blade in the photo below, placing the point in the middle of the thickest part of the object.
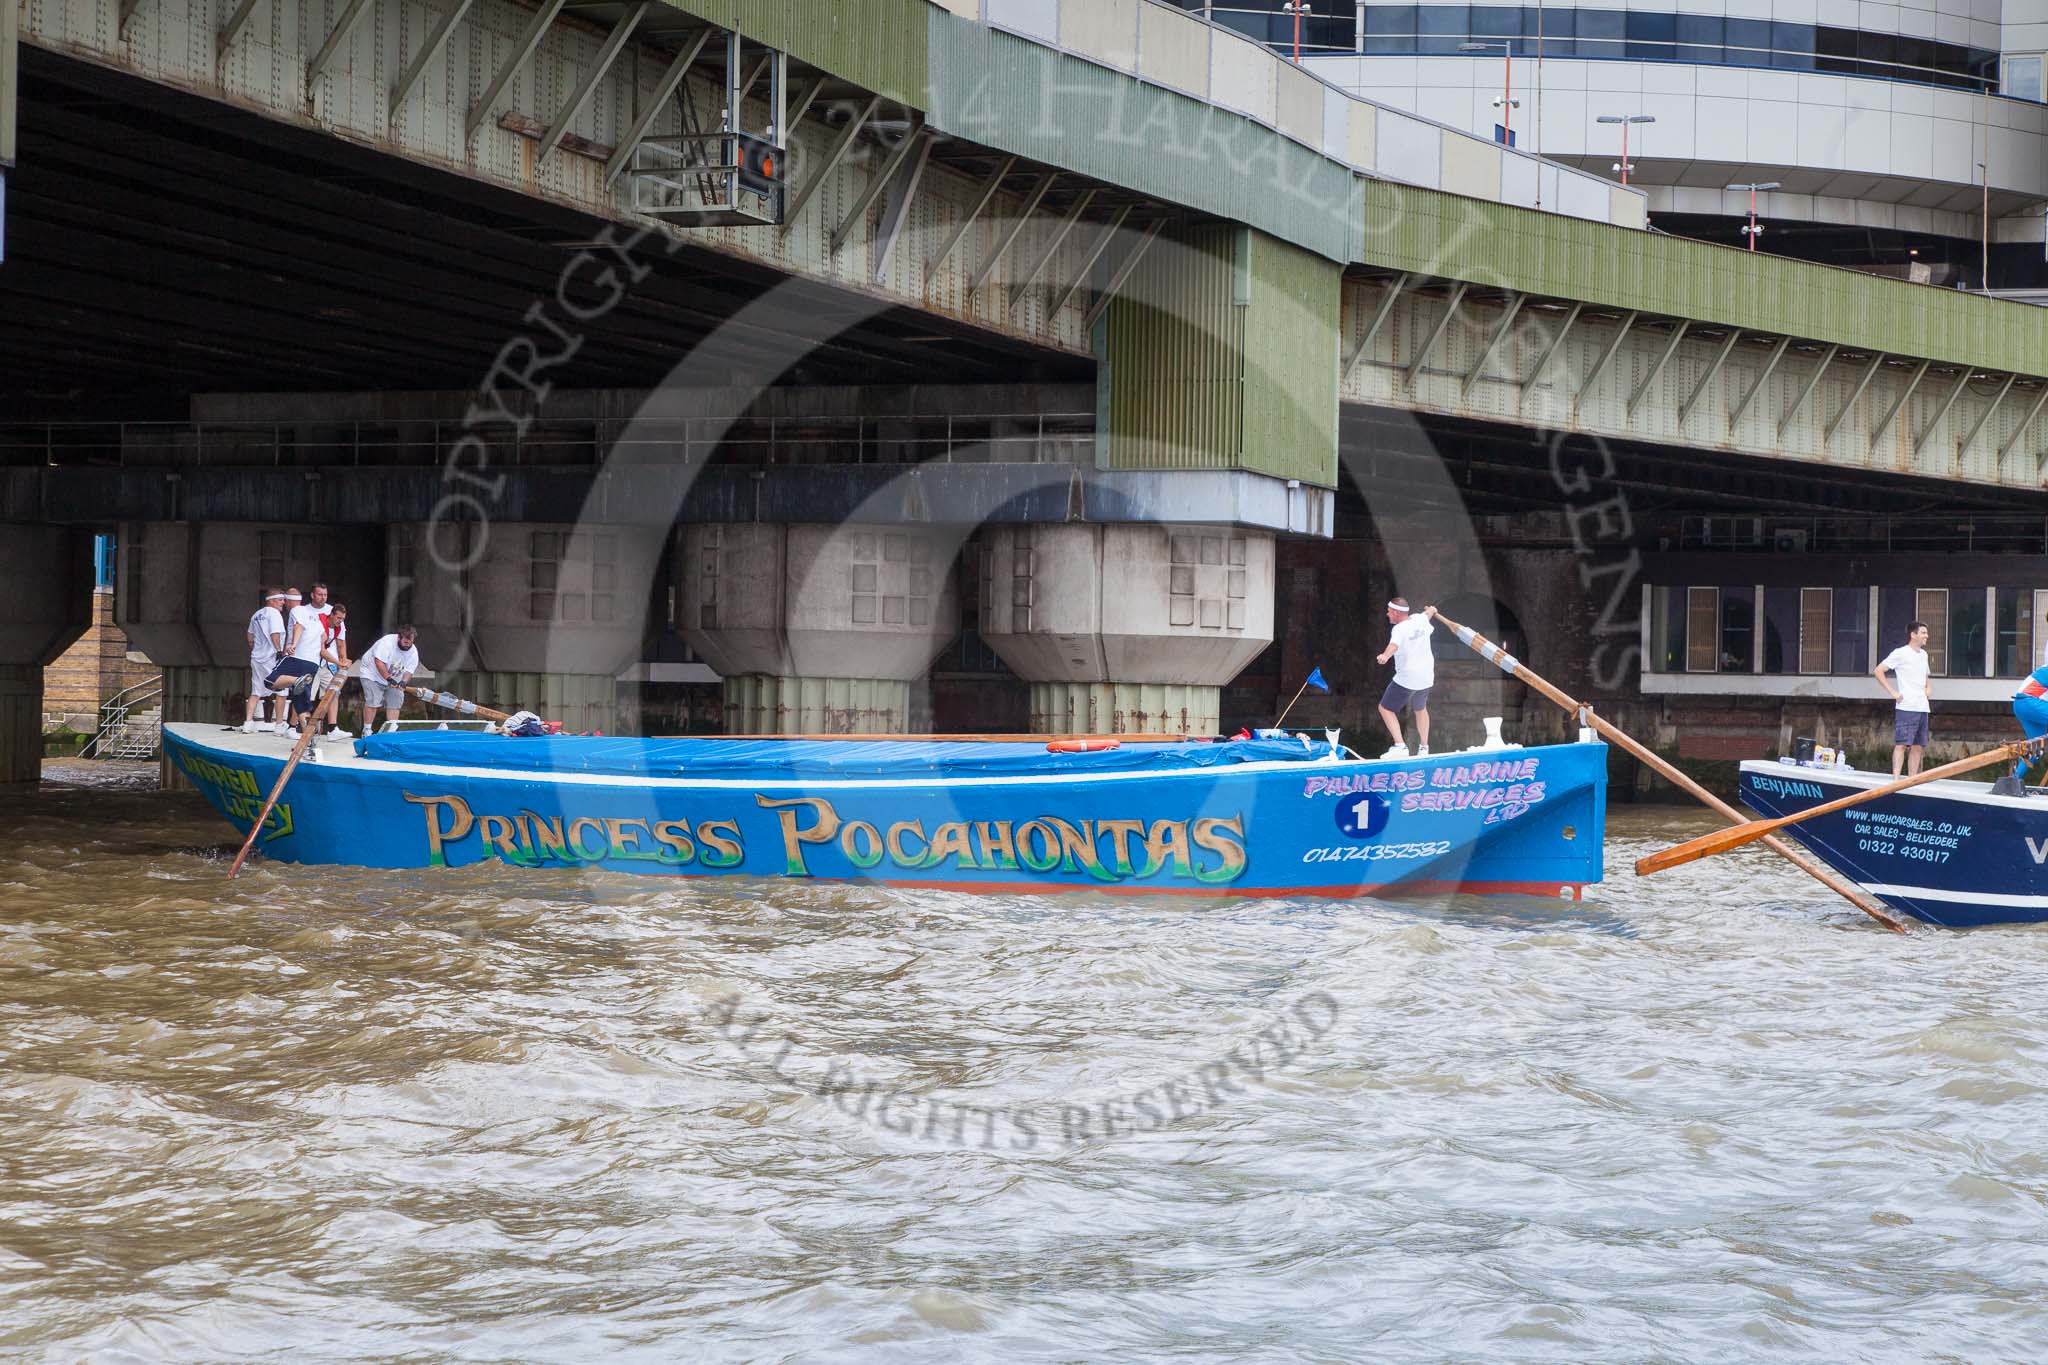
(1722, 840)
(1707, 845)
(1614, 734)
(277, 788)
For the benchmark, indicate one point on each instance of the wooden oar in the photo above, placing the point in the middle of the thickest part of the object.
(1721, 840)
(450, 701)
(1514, 668)
(277, 789)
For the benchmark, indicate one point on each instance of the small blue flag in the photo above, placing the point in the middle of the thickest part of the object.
(1315, 680)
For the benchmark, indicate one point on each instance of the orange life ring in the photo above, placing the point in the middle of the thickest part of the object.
(1082, 746)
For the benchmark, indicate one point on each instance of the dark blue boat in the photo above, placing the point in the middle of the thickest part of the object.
(1948, 852)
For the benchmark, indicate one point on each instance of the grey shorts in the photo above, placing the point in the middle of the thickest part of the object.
(379, 695)
(1909, 728)
(1397, 696)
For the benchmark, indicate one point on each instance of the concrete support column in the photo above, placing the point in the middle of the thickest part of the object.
(47, 604)
(819, 629)
(521, 616)
(758, 705)
(1126, 629)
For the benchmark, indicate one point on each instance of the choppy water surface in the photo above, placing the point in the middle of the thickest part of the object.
(319, 1114)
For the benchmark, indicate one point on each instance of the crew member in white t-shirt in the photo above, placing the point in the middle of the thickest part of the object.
(1908, 663)
(1414, 675)
(386, 667)
(266, 642)
(299, 669)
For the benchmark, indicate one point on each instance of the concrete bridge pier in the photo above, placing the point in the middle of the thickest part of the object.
(1126, 629)
(819, 629)
(520, 616)
(47, 605)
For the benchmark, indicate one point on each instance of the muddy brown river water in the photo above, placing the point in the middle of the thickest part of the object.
(326, 1114)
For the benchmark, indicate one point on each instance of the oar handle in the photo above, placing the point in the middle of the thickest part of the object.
(451, 702)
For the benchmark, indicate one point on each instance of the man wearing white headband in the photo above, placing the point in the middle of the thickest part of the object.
(1414, 675)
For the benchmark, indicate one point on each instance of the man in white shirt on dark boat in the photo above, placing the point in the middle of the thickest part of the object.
(266, 642)
(1909, 664)
(387, 665)
(1414, 675)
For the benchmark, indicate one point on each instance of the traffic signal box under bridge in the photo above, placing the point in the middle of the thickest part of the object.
(731, 174)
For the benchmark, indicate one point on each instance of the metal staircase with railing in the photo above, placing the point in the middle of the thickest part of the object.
(131, 723)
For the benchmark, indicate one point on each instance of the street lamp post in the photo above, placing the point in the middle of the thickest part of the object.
(1625, 120)
(1297, 8)
(1753, 231)
(1507, 103)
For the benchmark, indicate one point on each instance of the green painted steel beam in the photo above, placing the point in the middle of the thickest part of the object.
(1433, 234)
(1059, 110)
(1222, 354)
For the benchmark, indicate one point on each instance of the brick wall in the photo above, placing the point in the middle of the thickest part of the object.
(89, 672)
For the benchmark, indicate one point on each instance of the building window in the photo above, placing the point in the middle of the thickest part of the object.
(1930, 605)
(1781, 630)
(1816, 629)
(1702, 629)
(1738, 630)
(1636, 35)
(1897, 609)
(1852, 630)
(1966, 632)
(2020, 78)
(1667, 630)
(2013, 650)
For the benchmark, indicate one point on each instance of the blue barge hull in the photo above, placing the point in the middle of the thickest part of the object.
(1949, 853)
(1256, 818)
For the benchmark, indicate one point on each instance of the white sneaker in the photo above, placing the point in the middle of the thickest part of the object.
(249, 727)
(1398, 751)
(281, 728)
(338, 733)
(1422, 751)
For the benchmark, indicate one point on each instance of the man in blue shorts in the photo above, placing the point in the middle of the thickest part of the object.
(1909, 664)
(1414, 675)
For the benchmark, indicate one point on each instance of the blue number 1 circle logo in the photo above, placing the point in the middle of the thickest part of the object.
(1362, 815)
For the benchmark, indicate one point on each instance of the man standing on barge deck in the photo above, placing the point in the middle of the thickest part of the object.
(1910, 665)
(1414, 675)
